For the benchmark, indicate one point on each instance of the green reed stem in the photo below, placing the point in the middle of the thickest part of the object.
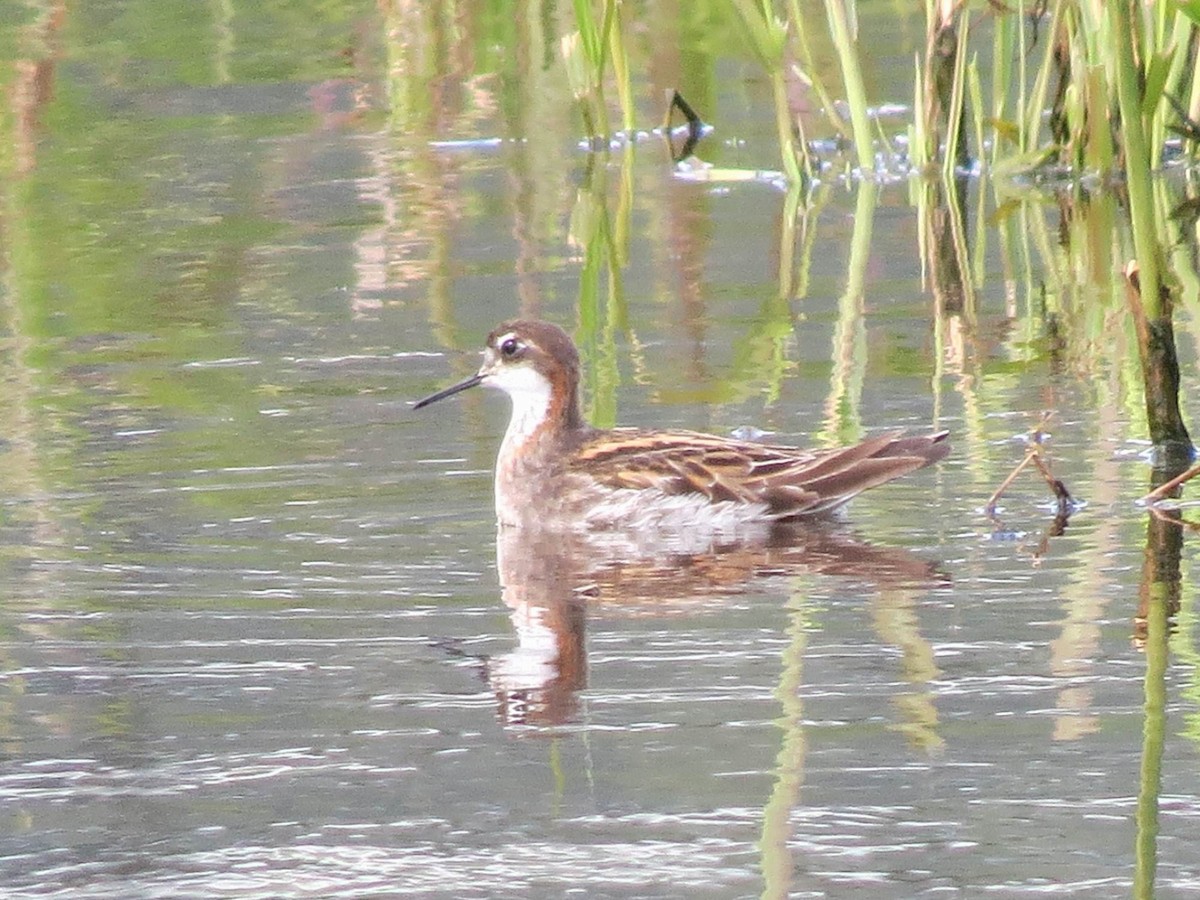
(918, 134)
(843, 27)
(767, 36)
(1032, 112)
(785, 132)
(1137, 160)
(1174, 58)
(587, 74)
(620, 64)
(798, 24)
(1003, 52)
(954, 153)
(1022, 80)
(975, 92)
(1193, 100)
(1100, 152)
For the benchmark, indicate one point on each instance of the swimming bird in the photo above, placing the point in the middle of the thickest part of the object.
(556, 470)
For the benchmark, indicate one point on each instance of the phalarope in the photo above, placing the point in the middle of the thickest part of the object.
(555, 469)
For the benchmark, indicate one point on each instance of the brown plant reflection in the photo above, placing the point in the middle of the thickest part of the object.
(27, 97)
(943, 211)
(32, 88)
(1159, 596)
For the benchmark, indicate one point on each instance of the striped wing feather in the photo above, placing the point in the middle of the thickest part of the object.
(789, 481)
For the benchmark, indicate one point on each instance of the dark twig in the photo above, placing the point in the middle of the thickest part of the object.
(1061, 494)
(1035, 455)
(1012, 476)
(1186, 128)
(694, 123)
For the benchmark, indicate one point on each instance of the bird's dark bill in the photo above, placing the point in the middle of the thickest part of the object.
(449, 392)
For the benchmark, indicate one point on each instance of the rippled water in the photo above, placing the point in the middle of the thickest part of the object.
(254, 643)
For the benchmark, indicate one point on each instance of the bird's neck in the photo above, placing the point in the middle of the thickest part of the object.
(544, 419)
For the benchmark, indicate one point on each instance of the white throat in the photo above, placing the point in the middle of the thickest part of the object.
(530, 393)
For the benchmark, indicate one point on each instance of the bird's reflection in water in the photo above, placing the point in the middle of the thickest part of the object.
(552, 581)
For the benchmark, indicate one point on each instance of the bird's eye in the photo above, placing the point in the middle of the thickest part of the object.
(510, 347)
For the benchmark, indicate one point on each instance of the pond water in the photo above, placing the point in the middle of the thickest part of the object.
(258, 634)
